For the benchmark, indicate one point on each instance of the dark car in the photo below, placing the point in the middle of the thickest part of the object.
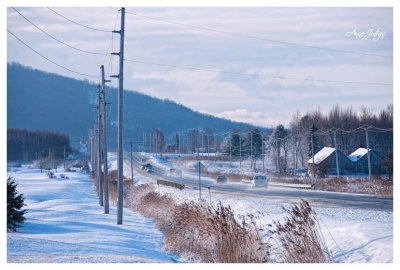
(221, 179)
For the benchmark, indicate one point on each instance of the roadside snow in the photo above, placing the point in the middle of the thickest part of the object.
(352, 235)
(64, 223)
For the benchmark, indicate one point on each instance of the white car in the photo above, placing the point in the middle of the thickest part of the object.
(172, 172)
(259, 181)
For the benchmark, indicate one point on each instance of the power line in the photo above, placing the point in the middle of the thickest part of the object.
(257, 38)
(56, 39)
(51, 61)
(261, 75)
(82, 25)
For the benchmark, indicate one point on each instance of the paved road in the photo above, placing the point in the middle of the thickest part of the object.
(315, 197)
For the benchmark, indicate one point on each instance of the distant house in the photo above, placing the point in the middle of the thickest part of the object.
(325, 162)
(360, 161)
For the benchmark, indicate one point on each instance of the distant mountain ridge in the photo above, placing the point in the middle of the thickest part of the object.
(37, 100)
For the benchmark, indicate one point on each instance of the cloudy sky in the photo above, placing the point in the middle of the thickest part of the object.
(254, 90)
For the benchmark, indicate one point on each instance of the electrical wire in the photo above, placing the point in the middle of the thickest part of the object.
(260, 75)
(54, 38)
(257, 38)
(51, 61)
(82, 25)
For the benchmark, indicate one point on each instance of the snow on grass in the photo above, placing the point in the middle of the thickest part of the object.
(64, 223)
(351, 235)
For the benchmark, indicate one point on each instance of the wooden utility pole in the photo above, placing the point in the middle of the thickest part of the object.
(105, 160)
(336, 155)
(294, 154)
(230, 149)
(368, 154)
(277, 155)
(131, 163)
(251, 148)
(120, 204)
(262, 149)
(64, 158)
(99, 143)
(240, 149)
(313, 163)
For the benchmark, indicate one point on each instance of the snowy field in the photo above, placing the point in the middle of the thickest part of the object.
(65, 224)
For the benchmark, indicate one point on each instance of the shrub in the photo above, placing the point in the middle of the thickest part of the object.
(15, 201)
(299, 236)
(50, 174)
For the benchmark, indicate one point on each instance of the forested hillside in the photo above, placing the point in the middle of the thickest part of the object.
(37, 100)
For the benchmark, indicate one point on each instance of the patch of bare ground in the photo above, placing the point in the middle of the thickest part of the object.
(373, 186)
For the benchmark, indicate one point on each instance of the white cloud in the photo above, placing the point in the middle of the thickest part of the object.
(261, 100)
(254, 117)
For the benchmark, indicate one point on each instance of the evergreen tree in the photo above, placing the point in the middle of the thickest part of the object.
(15, 201)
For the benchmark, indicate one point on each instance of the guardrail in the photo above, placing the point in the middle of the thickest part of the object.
(170, 184)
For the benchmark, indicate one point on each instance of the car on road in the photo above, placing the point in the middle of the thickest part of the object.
(145, 166)
(149, 169)
(221, 179)
(259, 181)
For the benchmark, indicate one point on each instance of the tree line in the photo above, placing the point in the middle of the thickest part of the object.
(315, 124)
(24, 145)
(289, 148)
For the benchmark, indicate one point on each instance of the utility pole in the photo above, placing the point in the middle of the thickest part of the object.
(120, 77)
(64, 158)
(262, 149)
(336, 155)
(150, 141)
(199, 179)
(240, 149)
(99, 142)
(294, 154)
(277, 155)
(131, 164)
(312, 153)
(215, 146)
(368, 155)
(251, 148)
(208, 144)
(230, 149)
(90, 145)
(156, 139)
(105, 160)
(202, 142)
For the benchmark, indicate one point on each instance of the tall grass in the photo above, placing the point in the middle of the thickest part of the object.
(299, 236)
(200, 232)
